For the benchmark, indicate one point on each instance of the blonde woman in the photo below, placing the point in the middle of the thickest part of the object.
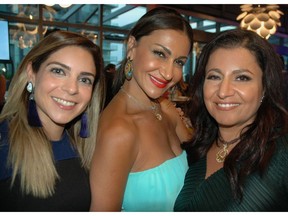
(48, 126)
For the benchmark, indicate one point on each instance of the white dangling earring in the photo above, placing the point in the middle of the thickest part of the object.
(32, 115)
(29, 87)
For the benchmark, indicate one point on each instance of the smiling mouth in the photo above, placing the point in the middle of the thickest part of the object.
(63, 102)
(227, 105)
(158, 82)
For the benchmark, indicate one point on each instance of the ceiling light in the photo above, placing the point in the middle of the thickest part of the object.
(261, 19)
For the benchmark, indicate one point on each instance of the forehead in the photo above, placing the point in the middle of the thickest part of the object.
(168, 37)
(75, 57)
(68, 50)
(167, 33)
(234, 59)
(235, 55)
(72, 53)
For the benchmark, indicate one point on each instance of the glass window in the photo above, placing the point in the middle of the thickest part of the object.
(203, 25)
(118, 19)
(123, 16)
(113, 52)
(113, 48)
(224, 27)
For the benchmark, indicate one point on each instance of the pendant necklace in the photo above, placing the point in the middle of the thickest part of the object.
(222, 153)
(154, 107)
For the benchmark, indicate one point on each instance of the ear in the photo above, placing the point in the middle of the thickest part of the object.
(30, 73)
(131, 45)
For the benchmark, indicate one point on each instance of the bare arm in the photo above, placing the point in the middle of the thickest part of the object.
(112, 161)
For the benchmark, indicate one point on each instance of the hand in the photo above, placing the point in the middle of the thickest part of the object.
(185, 120)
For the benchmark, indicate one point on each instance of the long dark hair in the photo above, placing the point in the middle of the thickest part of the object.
(156, 19)
(257, 144)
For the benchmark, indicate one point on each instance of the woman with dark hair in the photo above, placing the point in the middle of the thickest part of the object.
(48, 126)
(238, 154)
(138, 164)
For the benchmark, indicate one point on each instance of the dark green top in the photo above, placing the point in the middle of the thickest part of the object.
(269, 193)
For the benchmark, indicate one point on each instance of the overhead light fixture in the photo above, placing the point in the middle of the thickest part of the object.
(261, 19)
(65, 5)
(61, 5)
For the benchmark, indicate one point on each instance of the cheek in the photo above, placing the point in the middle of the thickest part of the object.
(86, 95)
(44, 85)
(177, 75)
(139, 65)
(207, 91)
(251, 95)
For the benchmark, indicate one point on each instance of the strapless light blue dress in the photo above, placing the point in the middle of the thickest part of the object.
(155, 189)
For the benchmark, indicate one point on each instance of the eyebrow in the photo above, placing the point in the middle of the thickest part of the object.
(69, 68)
(242, 70)
(58, 63)
(169, 51)
(234, 71)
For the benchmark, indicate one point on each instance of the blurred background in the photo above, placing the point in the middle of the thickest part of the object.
(107, 25)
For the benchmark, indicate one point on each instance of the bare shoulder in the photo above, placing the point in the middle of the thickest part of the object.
(119, 127)
(116, 130)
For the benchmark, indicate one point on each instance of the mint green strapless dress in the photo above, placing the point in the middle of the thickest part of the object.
(155, 189)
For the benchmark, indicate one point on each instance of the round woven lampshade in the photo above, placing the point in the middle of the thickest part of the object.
(261, 19)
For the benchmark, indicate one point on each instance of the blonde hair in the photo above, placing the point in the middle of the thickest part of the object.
(30, 153)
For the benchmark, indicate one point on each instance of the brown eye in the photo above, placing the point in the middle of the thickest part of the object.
(86, 80)
(159, 53)
(57, 71)
(212, 77)
(179, 62)
(243, 78)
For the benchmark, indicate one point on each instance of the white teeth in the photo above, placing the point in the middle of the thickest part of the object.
(228, 105)
(63, 102)
(156, 80)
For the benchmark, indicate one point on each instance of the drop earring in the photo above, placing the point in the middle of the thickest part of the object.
(128, 69)
(32, 115)
(261, 99)
(84, 130)
(29, 87)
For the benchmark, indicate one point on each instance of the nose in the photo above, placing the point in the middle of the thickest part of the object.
(226, 89)
(71, 87)
(167, 71)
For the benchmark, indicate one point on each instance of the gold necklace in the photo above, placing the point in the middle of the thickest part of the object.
(222, 153)
(154, 108)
